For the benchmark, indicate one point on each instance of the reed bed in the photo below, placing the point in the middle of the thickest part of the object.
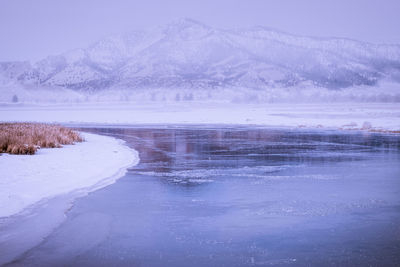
(27, 138)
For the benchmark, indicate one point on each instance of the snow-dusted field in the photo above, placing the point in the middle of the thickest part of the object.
(26, 179)
(366, 116)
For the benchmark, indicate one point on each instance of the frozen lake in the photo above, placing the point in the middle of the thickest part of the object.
(236, 196)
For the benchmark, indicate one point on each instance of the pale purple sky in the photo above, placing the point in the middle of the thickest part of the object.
(33, 29)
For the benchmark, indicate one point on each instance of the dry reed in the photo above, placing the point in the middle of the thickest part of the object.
(27, 138)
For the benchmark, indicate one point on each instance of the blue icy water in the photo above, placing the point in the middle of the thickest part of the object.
(231, 196)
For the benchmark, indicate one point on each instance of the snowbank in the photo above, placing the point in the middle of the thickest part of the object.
(25, 180)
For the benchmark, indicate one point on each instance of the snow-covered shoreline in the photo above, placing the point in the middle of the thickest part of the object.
(27, 179)
(87, 166)
(365, 116)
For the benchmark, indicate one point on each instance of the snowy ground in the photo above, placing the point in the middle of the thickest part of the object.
(86, 166)
(366, 116)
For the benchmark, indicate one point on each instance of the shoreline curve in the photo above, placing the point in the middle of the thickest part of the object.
(82, 167)
(48, 212)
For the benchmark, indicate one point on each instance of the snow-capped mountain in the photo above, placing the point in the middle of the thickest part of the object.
(187, 54)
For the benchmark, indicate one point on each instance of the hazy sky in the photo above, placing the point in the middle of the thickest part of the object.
(33, 29)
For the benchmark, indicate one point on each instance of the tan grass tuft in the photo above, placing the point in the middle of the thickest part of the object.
(27, 138)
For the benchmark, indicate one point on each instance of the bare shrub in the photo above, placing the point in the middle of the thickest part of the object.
(27, 138)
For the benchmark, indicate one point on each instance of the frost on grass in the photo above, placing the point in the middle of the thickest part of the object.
(27, 138)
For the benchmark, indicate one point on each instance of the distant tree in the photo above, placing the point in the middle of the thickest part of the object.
(188, 97)
(15, 99)
(178, 97)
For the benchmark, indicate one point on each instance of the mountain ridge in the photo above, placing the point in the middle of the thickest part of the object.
(189, 54)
